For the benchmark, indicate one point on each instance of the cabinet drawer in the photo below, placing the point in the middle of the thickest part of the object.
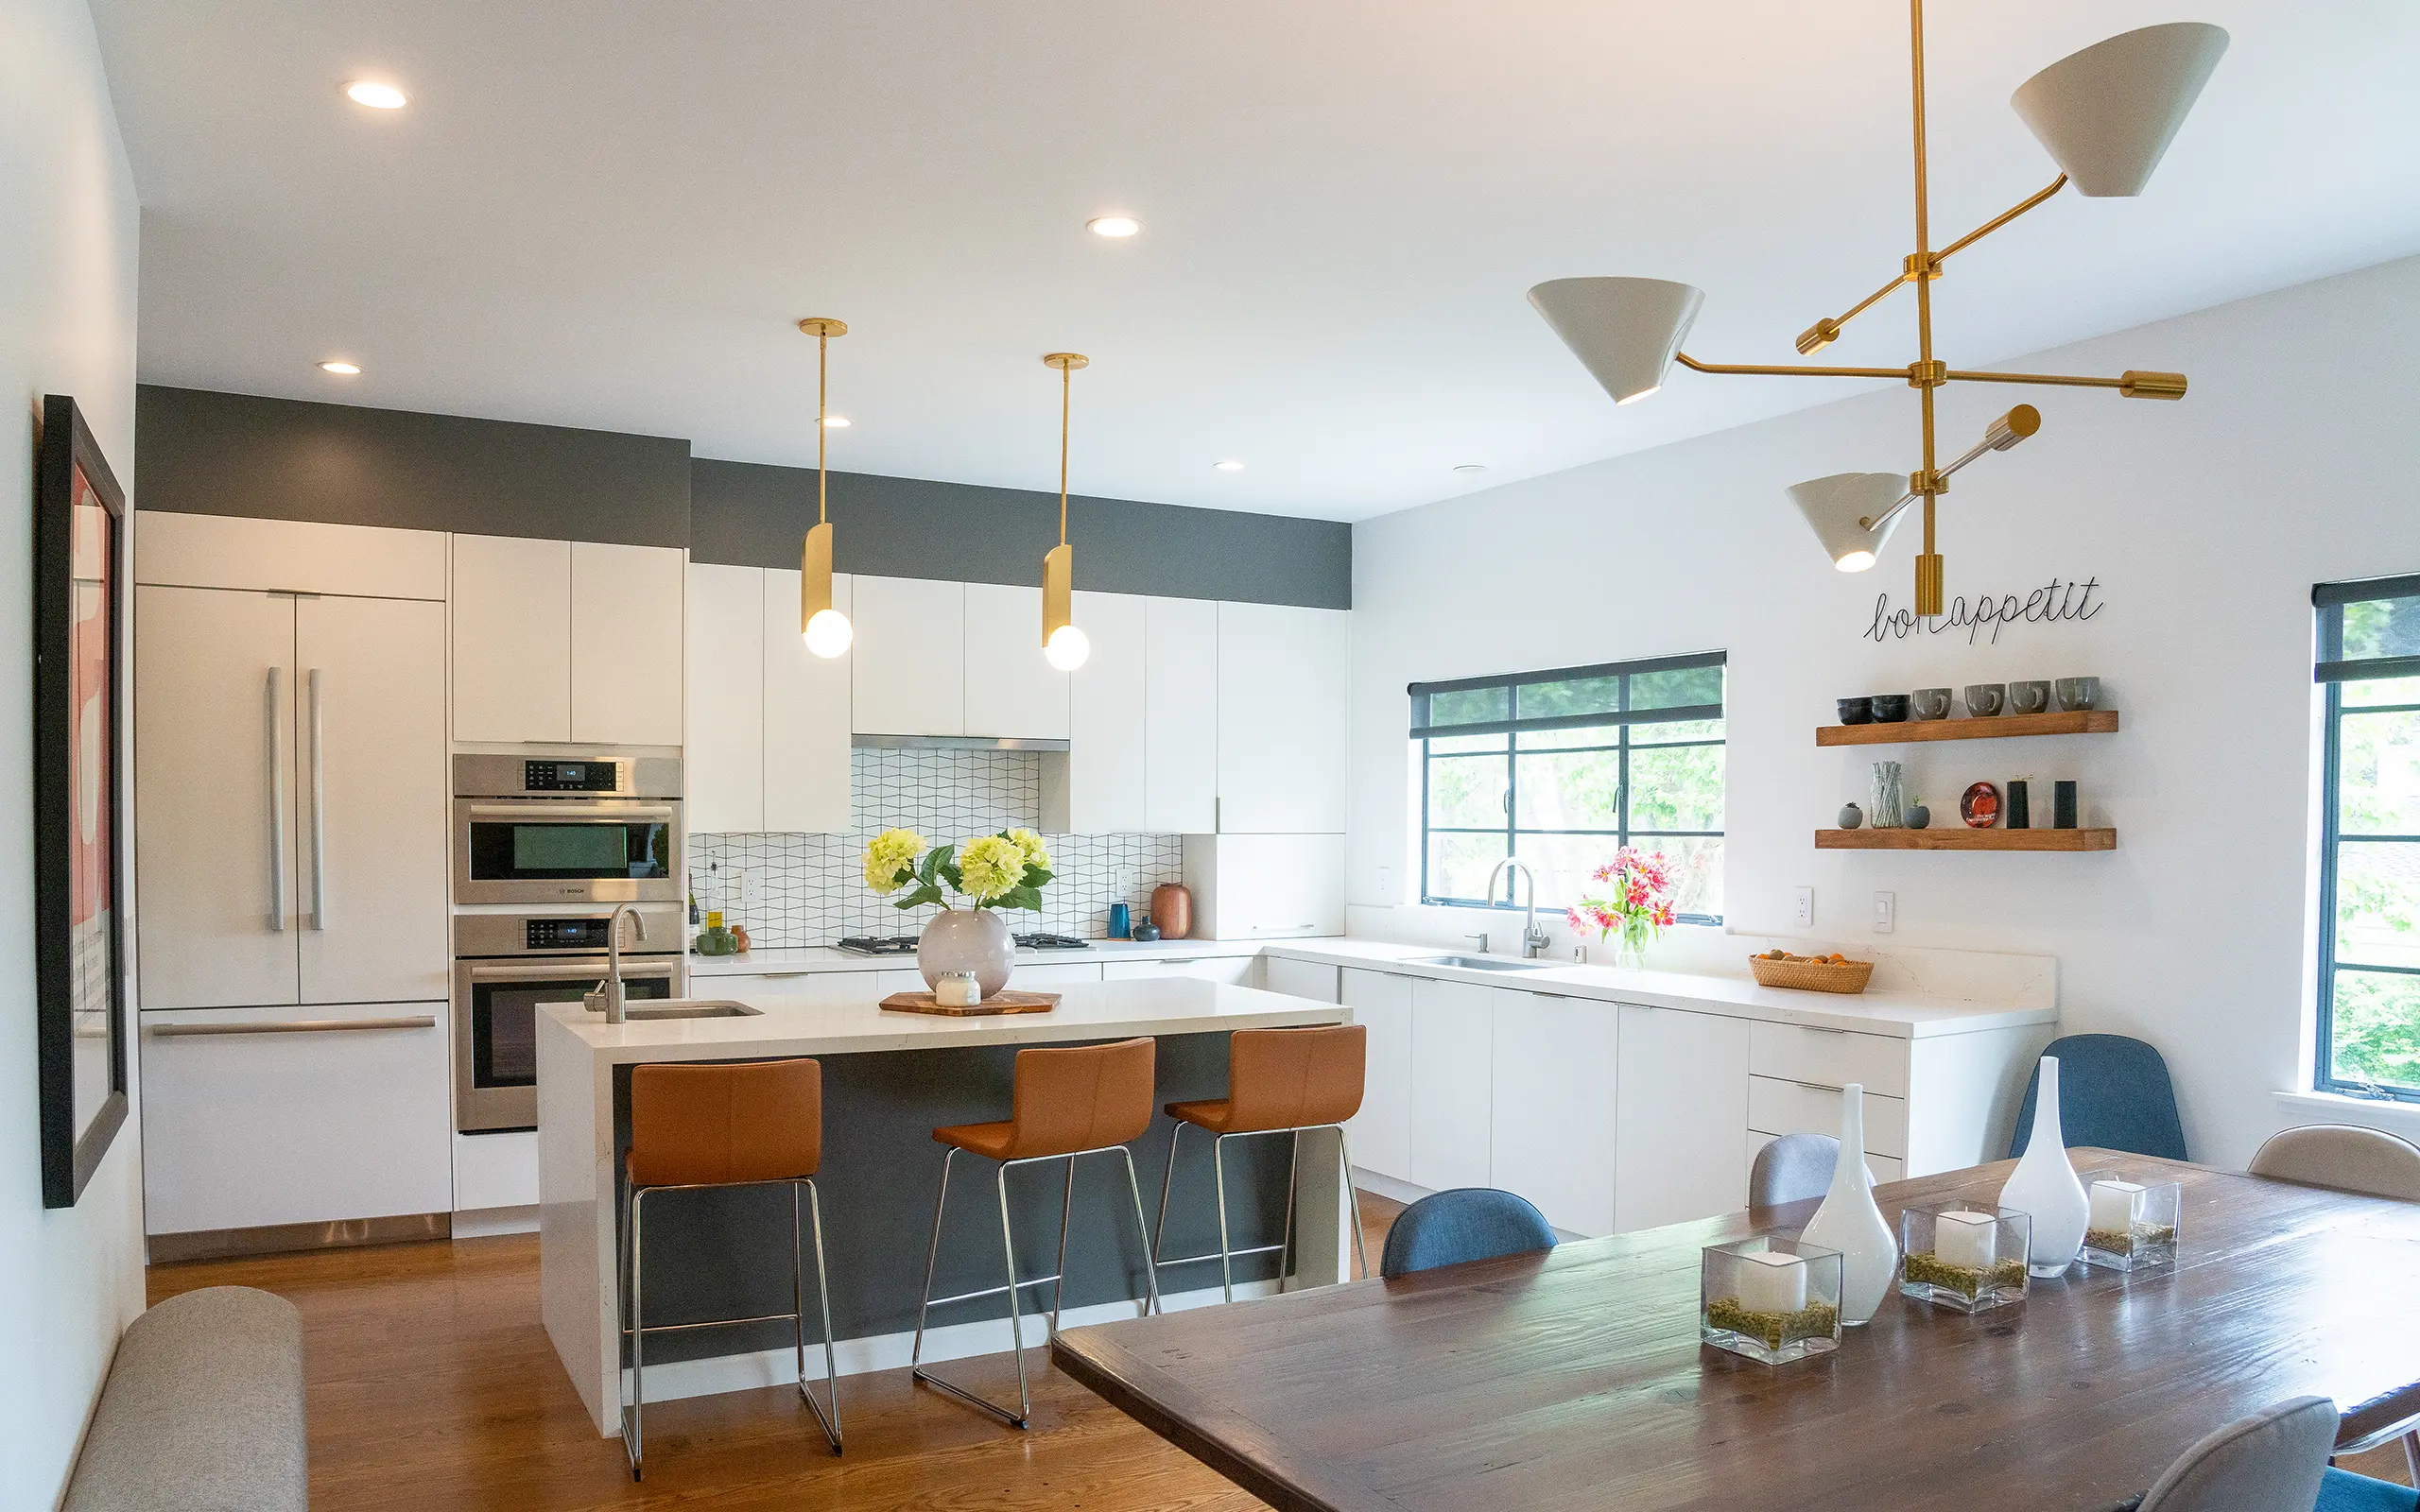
(1302, 979)
(782, 988)
(1796, 1107)
(1882, 1167)
(1235, 971)
(1829, 1058)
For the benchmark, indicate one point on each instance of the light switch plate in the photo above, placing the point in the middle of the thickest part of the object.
(1886, 912)
(1805, 908)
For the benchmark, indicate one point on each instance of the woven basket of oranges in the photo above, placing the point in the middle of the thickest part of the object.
(1811, 974)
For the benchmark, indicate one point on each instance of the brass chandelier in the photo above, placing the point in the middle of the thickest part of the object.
(2105, 114)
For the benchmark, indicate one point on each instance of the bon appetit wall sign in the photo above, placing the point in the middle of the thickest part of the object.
(2058, 599)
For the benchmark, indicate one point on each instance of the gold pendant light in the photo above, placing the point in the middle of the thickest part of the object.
(2105, 115)
(1063, 644)
(827, 629)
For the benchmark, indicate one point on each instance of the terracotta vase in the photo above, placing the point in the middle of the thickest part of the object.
(1172, 910)
(967, 939)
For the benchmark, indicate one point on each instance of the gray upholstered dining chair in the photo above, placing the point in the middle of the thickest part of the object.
(2343, 1157)
(1792, 1168)
(2271, 1461)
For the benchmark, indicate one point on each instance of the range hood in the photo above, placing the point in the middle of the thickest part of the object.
(952, 742)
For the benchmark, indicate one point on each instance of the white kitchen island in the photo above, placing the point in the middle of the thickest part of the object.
(889, 1079)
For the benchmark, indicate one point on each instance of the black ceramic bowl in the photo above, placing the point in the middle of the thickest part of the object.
(1856, 711)
(1889, 708)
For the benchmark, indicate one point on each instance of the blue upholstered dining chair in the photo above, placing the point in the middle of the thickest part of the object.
(2344, 1492)
(1792, 1168)
(2271, 1461)
(2113, 1093)
(1466, 1224)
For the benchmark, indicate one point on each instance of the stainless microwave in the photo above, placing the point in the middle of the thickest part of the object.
(560, 830)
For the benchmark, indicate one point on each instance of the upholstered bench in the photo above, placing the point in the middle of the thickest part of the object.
(203, 1411)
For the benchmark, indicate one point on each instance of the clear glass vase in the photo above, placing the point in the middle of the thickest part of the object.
(1883, 810)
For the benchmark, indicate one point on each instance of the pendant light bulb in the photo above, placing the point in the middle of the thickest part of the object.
(1067, 649)
(825, 629)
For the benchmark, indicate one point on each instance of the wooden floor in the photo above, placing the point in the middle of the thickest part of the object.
(432, 1388)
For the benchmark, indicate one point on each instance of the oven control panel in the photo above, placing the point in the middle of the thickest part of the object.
(567, 933)
(571, 777)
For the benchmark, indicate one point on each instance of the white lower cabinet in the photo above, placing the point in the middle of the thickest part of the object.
(1235, 971)
(1680, 1101)
(498, 1170)
(1551, 1129)
(255, 1117)
(1798, 1107)
(1380, 1134)
(1452, 1084)
(1301, 979)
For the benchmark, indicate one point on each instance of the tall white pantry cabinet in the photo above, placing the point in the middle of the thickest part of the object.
(291, 872)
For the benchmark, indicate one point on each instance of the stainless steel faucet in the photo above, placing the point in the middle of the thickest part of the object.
(614, 1009)
(1533, 940)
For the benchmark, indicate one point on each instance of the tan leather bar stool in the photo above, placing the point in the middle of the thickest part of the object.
(700, 1126)
(1279, 1081)
(1067, 1103)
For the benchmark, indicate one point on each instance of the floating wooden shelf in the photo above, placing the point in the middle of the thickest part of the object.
(1959, 837)
(2083, 722)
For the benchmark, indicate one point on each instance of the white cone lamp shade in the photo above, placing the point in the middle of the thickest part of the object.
(1836, 507)
(1623, 330)
(2108, 113)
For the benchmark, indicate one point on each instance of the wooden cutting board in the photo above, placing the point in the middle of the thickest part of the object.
(1004, 1001)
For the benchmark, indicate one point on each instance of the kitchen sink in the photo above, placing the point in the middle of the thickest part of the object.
(689, 1009)
(1479, 963)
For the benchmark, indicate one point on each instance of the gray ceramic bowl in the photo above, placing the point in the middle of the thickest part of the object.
(2028, 698)
(1983, 699)
(2078, 693)
(1930, 703)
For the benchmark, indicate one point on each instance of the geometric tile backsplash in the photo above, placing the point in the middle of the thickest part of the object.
(795, 890)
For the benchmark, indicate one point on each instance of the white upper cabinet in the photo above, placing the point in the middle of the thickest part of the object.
(625, 627)
(806, 716)
(724, 773)
(1107, 714)
(909, 677)
(511, 639)
(288, 555)
(1181, 715)
(1281, 690)
(1011, 692)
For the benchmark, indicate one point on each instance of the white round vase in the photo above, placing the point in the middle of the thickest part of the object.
(967, 939)
(2044, 1185)
(1851, 1223)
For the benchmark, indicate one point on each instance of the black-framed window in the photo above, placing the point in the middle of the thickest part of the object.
(1561, 769)
(2369, 877)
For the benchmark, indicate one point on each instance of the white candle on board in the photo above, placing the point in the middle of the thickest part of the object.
(1967, 1239)
(2115, 1204)
(1771, 1281)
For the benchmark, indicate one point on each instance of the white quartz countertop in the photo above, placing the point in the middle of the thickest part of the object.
(1907, 1016)
(1106, 1010)
(823, 958)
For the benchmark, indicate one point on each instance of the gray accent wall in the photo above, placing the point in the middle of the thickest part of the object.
(751, 515)
(199, 452)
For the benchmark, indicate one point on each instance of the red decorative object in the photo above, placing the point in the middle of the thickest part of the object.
(1980, 806)
(1172, 910)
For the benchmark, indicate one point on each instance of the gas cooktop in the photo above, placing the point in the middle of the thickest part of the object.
(906, 944)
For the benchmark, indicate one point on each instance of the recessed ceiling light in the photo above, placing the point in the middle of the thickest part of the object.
(835, 422)
(343, 369)
(1112, 225)
(1228, 465)
(377, 97)
(1470, 467)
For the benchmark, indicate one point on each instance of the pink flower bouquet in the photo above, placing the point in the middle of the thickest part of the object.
(1639, 905)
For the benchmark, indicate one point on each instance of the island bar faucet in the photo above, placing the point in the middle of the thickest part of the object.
(1533, 940)
(611, 985)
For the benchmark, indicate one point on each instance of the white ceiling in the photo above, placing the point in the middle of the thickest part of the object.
(609, 214)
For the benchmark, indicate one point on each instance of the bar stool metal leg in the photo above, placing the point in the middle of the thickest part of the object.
(1218, 1173)
(830, 1421)
(1167, 1179)
(1016, 1325)
(633, 1430)
(1286, 1232)
(1066, 1206)
(1150, 1272)
(1353, 1197)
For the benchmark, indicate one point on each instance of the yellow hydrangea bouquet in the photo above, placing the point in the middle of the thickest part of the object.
(1004, 870)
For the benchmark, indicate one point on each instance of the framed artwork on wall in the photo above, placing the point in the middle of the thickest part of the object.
(80, 1024)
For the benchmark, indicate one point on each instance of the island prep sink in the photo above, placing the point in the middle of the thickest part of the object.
(689, 1009)
(1478, 963)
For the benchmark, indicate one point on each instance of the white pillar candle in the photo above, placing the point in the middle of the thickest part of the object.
(1771, 1281)
(1967, 1239)
(2115, 1204)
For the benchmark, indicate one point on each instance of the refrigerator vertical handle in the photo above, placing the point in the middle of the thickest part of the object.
(276, 702)
(318, 809)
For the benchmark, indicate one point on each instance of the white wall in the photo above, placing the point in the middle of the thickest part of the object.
(70, 1280)
(2206, 520)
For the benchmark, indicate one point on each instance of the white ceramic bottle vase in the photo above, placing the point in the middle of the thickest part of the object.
(2044, 1184)
(1849, 1222)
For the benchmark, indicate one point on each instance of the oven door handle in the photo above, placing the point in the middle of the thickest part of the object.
(571, 968)
(552, 809)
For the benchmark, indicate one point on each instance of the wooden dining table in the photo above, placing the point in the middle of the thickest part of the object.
(1575, 1377)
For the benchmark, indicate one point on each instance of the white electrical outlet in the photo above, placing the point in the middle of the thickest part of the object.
(1386, 884)
(1805, 908)
(1886, 912)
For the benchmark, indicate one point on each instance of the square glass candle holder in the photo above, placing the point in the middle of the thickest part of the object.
(1965, 1255)
(2132, 1226)
(1771, 1298)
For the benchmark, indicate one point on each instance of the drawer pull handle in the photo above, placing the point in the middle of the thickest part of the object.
(418, 1020)
(1815, 1087)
